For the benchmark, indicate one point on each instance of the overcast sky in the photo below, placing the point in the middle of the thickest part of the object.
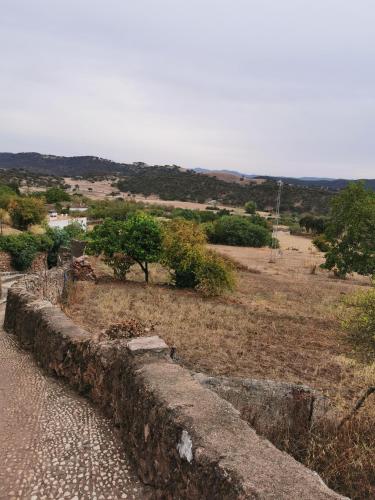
(279, 87)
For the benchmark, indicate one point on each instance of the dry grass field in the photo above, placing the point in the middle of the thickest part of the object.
(281, 323)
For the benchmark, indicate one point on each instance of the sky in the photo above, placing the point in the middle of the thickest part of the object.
(277, 87)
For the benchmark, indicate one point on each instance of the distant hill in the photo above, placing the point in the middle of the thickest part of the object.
(324, 182)
(175, 183)
(332, 184)
(63, 166)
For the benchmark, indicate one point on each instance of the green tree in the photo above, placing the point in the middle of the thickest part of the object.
(350, 232)
(56, 195)
(250, 207)
(26, 211)
(7, 194)
(240, 231)
(143, 240)
(139, 238)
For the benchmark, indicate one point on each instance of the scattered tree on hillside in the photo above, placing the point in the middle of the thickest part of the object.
(350, 232)
(56, 195)
(313, 224)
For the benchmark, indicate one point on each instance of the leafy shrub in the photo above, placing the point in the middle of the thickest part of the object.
(191, 264)
(214, 275)
(250, 207)
(359, 317)
(26, 211)
(274, 243)
(62, 237)
(321, 243)
(7, 194)
(23, 248)
(120, 264)
(240, 231)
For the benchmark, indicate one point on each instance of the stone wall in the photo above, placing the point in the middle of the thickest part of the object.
(39, 263)
(283, 413)
(47, 285)
(184, 440)
(5, 262)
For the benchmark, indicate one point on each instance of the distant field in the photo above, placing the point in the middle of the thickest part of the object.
(101, 190)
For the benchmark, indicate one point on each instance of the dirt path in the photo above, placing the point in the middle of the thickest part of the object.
(54, 443)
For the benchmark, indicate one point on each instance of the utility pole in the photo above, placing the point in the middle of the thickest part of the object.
(275, 230)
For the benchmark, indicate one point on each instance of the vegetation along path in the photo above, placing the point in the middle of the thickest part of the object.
(53, 443)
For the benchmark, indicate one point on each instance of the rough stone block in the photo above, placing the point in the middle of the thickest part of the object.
(148, 345)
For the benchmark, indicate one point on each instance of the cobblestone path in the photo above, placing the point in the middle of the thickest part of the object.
(53, 443)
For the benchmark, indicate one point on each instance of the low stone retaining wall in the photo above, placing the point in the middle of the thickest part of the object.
(283, 413)
(185, 440)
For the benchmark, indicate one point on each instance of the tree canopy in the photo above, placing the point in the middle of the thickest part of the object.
(350, 232)
(139, 238)
(26, 211)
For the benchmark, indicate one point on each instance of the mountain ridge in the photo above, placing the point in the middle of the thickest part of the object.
(171, 182)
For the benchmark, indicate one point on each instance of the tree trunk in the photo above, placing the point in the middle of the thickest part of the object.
(146, 271)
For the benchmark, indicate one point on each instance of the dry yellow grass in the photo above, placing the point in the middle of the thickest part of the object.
(268, 328)
(9, 230)
(279, 324)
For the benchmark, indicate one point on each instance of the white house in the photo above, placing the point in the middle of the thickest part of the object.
(63, 221)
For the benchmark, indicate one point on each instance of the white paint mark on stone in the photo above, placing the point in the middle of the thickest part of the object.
(185, 446)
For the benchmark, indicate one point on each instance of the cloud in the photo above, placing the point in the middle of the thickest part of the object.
(283, 88)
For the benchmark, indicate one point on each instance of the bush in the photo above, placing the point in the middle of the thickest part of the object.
(190, 263)
(239, 231)
(359, 317)
(120, 264)
(321, 243)
(23, 248)
(214, 275)
(7, 194)
(62, 237)
(27, 211)
(250, 207)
